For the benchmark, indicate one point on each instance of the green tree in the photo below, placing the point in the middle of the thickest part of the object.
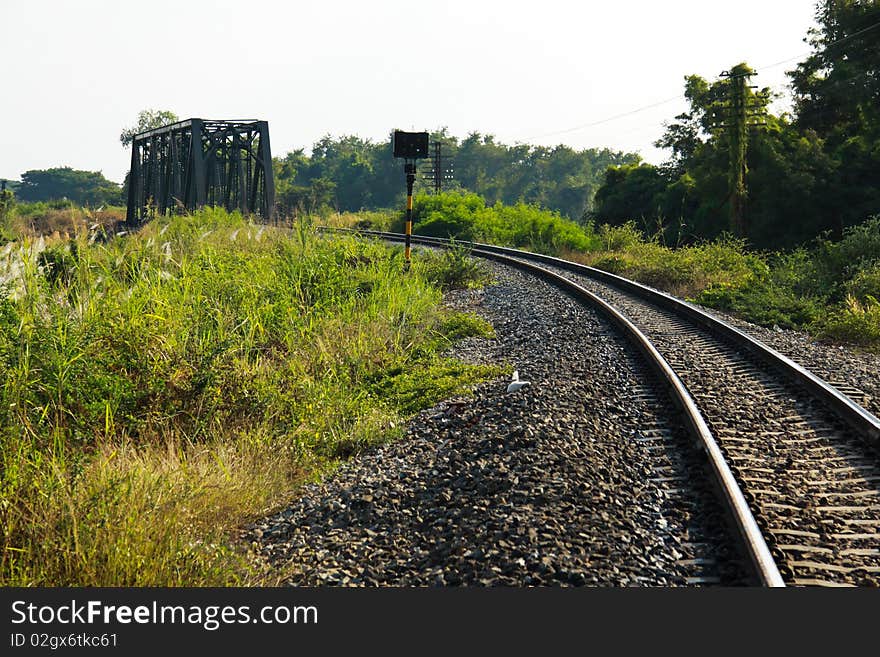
(630, 192)
(83, 187)
(285, 172)
(365, 175)
(690, 195)
(837, 88)
(787, 205)
(314, 198)
(347, 162)
(837, 97)
(147, 119)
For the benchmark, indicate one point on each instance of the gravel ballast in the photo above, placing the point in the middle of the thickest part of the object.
(853, 371)
(557, 483)
(810, 480)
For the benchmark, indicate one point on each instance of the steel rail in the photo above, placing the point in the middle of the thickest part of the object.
(753, 544)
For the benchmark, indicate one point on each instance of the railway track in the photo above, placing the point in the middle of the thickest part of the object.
(585, 477)
(795, 459)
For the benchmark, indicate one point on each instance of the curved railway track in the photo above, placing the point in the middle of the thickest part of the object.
(793, 457)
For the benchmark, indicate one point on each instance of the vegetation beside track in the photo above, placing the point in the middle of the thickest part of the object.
(162, 388)
(829, 288)
(53, 218)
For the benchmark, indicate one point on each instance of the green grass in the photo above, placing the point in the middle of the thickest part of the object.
(829, 289)
(163, 388)
(453, 267)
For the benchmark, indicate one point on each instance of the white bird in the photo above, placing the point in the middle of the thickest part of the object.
(516, 384)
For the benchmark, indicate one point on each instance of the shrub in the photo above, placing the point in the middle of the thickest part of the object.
(465, 216)
(861, 243)
(865, 284)
(450, 214)
(619, 238)
(761, 303)
(453, 267)
(837, 262)
(856, 322)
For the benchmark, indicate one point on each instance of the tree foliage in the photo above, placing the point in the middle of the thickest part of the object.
(83, 187)
(815, 172)
(837, 98)
(350, 173)
(148, 119)
(837, 88)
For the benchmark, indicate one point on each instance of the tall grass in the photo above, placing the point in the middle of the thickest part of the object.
(161, 388)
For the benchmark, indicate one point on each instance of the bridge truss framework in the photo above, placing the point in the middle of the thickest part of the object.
(198, 162)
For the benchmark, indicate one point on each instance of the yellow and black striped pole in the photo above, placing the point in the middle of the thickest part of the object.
(409, 146)
(410, 181)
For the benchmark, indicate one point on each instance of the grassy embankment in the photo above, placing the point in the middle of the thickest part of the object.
(160, 389)
(830, 289)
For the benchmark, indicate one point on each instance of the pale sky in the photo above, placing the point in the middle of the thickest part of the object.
(76, 72)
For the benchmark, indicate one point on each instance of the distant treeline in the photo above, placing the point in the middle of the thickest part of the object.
(805, 174)
(350, 173)
(81, 187)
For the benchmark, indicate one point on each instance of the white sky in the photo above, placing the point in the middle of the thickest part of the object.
(76, 72)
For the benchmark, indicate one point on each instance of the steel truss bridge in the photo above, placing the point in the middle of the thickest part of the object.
(197, 162)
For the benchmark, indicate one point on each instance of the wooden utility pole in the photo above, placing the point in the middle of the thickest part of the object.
(736, 124)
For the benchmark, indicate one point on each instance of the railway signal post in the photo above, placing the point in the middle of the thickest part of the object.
(410, 146)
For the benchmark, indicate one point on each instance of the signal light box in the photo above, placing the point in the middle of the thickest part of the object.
(410, 145)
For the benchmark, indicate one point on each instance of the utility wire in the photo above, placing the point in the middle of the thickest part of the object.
(828, 45)
(607, 120)
(680, 96)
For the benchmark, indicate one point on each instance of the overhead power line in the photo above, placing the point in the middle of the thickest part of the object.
(607, 120)
(622, 115)
(828, 45)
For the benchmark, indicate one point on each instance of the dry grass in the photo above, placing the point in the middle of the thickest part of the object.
(376, 220)
(147, 515)
(40, 219)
